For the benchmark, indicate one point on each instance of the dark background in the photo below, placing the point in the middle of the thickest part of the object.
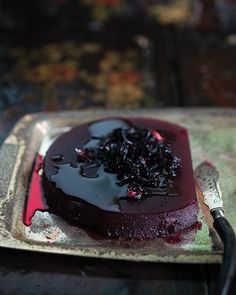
(62, 55)
(70, 54)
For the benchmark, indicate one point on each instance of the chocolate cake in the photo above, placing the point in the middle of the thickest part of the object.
(122, 178)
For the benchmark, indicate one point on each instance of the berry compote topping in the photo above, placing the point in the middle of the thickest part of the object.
(140, 158)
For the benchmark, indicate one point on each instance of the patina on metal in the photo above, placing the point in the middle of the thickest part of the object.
(207, 178)
(212, 137)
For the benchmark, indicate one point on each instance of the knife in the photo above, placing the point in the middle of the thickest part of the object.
(207, 178)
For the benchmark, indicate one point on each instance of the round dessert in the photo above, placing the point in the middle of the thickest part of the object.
(122, 178)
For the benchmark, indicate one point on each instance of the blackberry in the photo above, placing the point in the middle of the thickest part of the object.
(139, 157)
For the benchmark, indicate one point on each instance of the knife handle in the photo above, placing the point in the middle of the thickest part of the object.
(228, 266)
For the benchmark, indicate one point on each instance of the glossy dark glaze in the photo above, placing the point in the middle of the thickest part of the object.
(96, 201)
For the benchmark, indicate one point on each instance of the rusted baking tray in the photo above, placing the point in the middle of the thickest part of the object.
(212, 136)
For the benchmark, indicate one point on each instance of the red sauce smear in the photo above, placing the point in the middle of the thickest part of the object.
(157, 135)
(35, 199)
(173, 239)
(177, 238)
(198, 225)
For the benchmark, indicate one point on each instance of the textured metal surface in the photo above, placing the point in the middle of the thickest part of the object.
(207, 178)
(8, 151)
(212, 137)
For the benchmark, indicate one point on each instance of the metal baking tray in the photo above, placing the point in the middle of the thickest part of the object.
(212, 136)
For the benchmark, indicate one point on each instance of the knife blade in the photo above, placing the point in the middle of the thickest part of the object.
(207, 179)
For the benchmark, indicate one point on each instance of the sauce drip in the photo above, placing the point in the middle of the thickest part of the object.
(173, 239)
(35, 199)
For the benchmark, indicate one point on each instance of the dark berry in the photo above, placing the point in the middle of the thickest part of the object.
(85, 155)
(135, 192)
(139, 157)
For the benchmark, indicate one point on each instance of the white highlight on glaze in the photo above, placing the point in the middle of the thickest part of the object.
(50, 137)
